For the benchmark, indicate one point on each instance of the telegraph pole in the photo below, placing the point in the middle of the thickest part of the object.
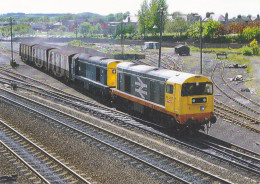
(160, 42)
(11, 20)
(76, 29)
(200, 45)
(12, 62)
(122, 46)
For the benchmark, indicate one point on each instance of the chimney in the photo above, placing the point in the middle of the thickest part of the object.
(128, 19)
(226, 16)
(226, 20)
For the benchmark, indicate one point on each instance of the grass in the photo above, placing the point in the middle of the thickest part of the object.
(228, 50)
(241, 61)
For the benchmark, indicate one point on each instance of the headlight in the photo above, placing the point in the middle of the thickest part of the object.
(202, 108)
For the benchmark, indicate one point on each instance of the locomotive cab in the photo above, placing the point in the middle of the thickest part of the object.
(191, 100)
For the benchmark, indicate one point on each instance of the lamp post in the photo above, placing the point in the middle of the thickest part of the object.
(12, 62)
(200, 18)
(200, 45)
(122, 46)
(160, 42)
(76, 26)
(196, 15)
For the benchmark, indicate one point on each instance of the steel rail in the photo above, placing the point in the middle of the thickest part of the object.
(133, 142)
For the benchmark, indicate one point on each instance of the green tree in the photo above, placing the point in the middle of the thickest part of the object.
(120, 29)
(97, 29)
(155, 6)
(85, 28)
(177, 25)
(210, 28)
(143, 17)
(150, 17)
(63, 28)
(194, 30)
(130, 29)
(110, 18)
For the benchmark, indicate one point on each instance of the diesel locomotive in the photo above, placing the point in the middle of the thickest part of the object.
(174, 99)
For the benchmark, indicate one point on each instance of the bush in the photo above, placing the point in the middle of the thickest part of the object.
(246, 51)
(255, 47)
(76, 43)
(255, 50)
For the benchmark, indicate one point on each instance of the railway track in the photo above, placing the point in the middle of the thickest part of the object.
(162, 165)
(167, 62)
(241, 162)
(254, 103)
(38, 165)
(117, 118)
(104, 113)
(226, 112)
(230, 97)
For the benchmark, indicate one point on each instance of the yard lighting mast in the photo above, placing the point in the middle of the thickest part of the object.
(12, 62)
(160, 42)
(200, 45)
(200, 18)
(122, 46)
(76, 26)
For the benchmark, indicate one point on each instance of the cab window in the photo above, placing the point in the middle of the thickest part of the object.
(169, 89)
(198, 88)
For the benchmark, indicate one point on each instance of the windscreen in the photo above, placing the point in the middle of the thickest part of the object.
(198, 88)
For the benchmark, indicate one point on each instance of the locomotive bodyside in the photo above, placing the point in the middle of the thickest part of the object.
(98, 74)
(171, 98)
(162, 94)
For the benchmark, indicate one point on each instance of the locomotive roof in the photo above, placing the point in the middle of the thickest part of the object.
(97, 60)
(181, 77)
(124, 65)
(155, 73)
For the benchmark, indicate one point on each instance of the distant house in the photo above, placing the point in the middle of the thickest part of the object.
(131, 20)
(103, 24)
(256, 19)
(39, 26)
(241, 19)
(4, 24)
(110, 27)
(55, 25)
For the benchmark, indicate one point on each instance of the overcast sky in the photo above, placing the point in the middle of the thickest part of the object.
(104, 7)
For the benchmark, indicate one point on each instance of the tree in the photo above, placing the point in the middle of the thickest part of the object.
(177, 24)
(85, 28)
(210, 28)
(143, 17)
(63, 28)
(120, 29)
(149, 15)
(97, 29)
(130, 29)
